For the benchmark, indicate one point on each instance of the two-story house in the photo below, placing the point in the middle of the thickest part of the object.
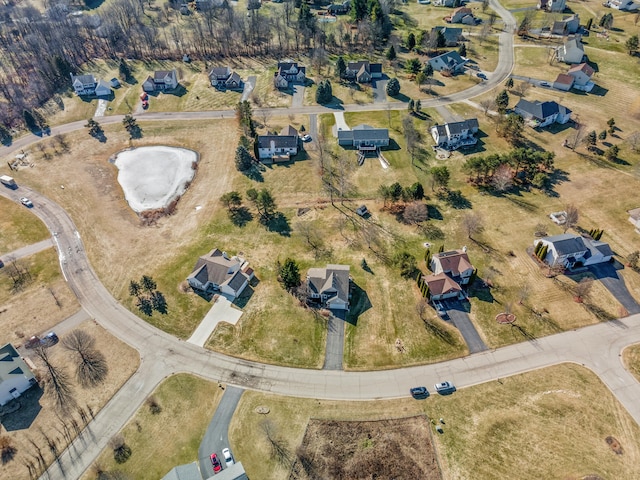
(15, 375)
(217, 272)
(90, 85)
(223, 78)
(329, 286)
(571, 52)
(451, 270)
(451, 62)
(273, 148)
(363, 71)
(288, 73)
(162, 80)
(455, 134)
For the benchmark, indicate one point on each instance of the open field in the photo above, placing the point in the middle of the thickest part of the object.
(40, 304)
(550, 423)
(631, 359)
(169, 438)
(37, 419)
(19, 227)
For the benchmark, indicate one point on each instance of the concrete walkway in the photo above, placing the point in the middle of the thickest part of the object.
(221, 311)
(217, 435)
(27, 251)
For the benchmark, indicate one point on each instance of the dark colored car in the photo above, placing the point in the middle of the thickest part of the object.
(419, 392)
(50, 339)
(217, 466)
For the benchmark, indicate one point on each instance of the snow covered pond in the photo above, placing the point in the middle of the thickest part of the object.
(152, 177)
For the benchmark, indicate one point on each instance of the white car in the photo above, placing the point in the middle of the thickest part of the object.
(26, 202)
(444, 387)
(306, 138)
(228, 458)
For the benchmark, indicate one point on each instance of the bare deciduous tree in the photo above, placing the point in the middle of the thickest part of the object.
(571, 218)
(7, 449)
(121, 451)
(502, 178)
(582, 289)
(488, 104)
(415, 213)
(58, 385)
(279, 448)
(522, 87)
(472, 223)
(91, 365)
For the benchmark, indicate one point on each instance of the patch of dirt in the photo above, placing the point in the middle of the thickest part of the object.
(398, 449)
(592, 477)
(614, 444)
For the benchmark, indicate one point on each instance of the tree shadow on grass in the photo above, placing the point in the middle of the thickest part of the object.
(455, 199)
(279, 223)
(360, 303)
(240, 216)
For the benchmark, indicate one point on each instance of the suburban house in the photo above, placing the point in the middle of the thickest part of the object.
(571, 52)
(90, 85)
(364, 137)
(455, 264)
(225, 78)
(451, 62)
(634, 218)
(452, 35)
(461, 15)
(552, 5)
(191, 471)
(568, 25)
(339, 8)
(329, 286)
(455, 134)
(216, 272)
(573, 251)
(541, 114)
(288, 73)
(160, 81)
(15, 375)
(563, 82)
(363, 71)
(582, 74)
(273, 148)
(447, 3)
(622, 5)
(441, 287)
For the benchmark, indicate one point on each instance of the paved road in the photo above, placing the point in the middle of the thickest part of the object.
(216, 437)
(460, 318)
(334, 350)
(613, 281)
(27, 251)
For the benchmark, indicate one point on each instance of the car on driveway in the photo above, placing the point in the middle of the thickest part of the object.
(26, 202)
(228, 458)
(419, 392)
(306, 138)
(217, 466)
(545, 84)
(440, 310)
(444, 387)
(481, 75)
(50, 339)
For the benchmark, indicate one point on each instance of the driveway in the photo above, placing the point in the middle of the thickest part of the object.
(313, 131)
(463, 323)
(221, 311)
(612, 281)
(447, 115)
(298, 96)
(27, 251)
(216, 437)
(341, 123)
(249, 85)
(335, 342)
(379, 91)
(536, 82)
(101, 108)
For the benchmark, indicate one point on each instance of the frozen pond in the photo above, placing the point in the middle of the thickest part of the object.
(152, 177)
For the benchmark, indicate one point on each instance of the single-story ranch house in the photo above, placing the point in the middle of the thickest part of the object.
(573, 251)
(15, 376)
(329, 286)
(541, 114)
(216, 272)
(364, 137)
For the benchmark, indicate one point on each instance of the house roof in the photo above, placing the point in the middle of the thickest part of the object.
(332, 280)
(11, 364)
(441, 284)
(441, 129)
(451, 59)
(541, 110)
(457, 127)
(214, 267)
(234, 77)
(566, 243)
(190, 471)
(103, 84)
(289, 130)
(450, 34)
(573, 43)
(454, 261)
(367, 132)
(280, 141)
(564, 79)
(160, 75)
(465, 10)
(634, 213)
(220, 72)
(237, 280)
(84, 79)
(602, 247)
(584, 68)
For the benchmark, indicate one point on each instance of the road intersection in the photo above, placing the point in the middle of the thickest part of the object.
(597, 347)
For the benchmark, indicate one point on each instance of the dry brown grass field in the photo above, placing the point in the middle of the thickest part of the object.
(122, 361)
(631, 359)
(19, 227)
(550, 423)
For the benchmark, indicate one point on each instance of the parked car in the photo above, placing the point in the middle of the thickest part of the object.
(306, 138)
(419, 392)
(228, 458)
(33, 342)
(440, 310)
(481, 75)
(26, 202)
(545, 84)
(217, 466)
(444, 387)
(50, 339)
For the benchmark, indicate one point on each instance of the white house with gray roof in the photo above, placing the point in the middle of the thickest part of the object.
(450, 62)
(15, 375)
(540, 114)
(571, 52)
(364, 137)
(282, 147)
(363, 71)
(225, 78)
(90, 85)
(288, 73)
(329, 286)
(161, 81)
(216, 272)
(455, 134)
(572, 251)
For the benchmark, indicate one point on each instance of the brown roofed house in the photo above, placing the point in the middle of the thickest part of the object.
(442, 286)
(454, 263)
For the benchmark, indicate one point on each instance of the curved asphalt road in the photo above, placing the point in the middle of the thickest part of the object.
(597, 347)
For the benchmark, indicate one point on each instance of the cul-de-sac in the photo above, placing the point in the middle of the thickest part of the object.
(304, 240)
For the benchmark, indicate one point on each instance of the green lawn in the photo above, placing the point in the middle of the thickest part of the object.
(170, 438)
(19, 227)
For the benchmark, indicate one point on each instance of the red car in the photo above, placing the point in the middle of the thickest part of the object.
(216, 463)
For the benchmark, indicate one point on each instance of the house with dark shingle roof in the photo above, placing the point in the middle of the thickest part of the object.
(281, 147)
(452, 35)
(450, 62)
(160, 81)
(90, 85)
(541, 114)
(225, 78)
(455, 134)
(454, 263)
(329, 286)
(288, 73)
(572, 251)
(15, 375)
(364, 137)
(216, 272)
(363, 71)
(572, 51)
